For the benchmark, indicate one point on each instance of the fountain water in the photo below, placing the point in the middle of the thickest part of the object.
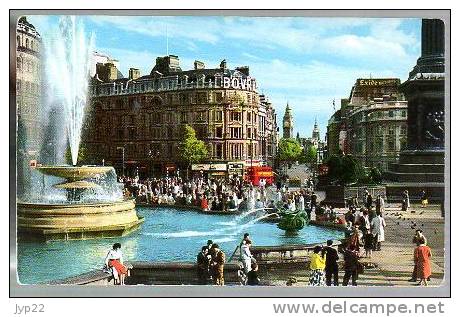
(68, 62)
(82, 201)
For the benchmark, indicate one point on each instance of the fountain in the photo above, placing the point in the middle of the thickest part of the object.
(86, 202)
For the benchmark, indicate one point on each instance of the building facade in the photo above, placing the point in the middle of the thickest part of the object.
(372, 123)
(314, 141)
(28, 98)
(142, 117)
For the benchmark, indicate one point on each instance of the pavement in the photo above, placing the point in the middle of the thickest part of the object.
(393, 265)
(298, 171)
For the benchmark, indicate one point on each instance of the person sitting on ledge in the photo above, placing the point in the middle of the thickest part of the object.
(253, 278)
(217, 265)
(114, 262)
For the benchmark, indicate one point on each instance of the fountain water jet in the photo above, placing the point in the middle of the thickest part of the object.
(68, 62)
(77, 213)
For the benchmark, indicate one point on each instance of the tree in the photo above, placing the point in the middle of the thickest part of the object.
(191, 150)
(289, 150)
(346, 169)
(82, 155)
(310, 154)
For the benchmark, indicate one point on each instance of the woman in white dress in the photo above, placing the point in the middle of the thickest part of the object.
(378, 230)
(246, 256)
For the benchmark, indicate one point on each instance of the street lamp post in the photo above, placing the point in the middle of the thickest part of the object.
(151, 156)
(122, 148)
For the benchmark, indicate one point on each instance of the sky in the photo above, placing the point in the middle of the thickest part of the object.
(307, 62)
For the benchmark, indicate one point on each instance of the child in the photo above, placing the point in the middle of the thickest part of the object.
(368, 243)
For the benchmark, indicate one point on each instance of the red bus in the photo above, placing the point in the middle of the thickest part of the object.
(255, 173)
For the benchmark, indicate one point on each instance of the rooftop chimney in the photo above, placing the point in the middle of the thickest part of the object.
(243, 69)
(198, 65)
(134, 73)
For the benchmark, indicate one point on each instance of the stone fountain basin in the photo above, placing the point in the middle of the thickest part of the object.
(76, 221)
(75, 173)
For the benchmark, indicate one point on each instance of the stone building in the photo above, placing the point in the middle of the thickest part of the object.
(28, 98)
(372, 124)
(314, 141)
(143, 116)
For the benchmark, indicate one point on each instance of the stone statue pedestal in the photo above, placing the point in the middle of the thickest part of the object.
(421, 165)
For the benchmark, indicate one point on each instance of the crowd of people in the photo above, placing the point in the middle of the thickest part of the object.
(364, 220)
(206, 193)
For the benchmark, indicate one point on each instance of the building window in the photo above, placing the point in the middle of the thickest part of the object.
(391, 130)
(18, 40)
(132, 133)
(183, 117)
(120, 134)
(218, 97)
(403, 113)
(391, 113)
(235, 133)
(27, 43)
(218, 132)
(157, 102)
(18, 62)
(156, 118)
(217, 115)
(236, 116)
(402, 130)
(249, 117)
(218, 152)
(200, 116)
(391, 145)
(202, 97)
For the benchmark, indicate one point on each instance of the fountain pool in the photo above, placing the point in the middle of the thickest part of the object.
(167, 235)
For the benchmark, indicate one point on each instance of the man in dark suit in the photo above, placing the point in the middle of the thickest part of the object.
(202, 260)
(350, 266)
(332, 268)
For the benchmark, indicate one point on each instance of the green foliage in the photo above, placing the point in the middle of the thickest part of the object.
(289, 150)
(191, 150)
(311, 154)
(82, 155)
(345, 169)
(376, 175)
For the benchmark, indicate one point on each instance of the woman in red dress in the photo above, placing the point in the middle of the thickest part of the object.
(422, 255)
(204, 203)
(114, 262)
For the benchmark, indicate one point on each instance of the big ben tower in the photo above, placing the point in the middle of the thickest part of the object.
(288, 124)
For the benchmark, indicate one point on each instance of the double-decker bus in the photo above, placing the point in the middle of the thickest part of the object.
(254, 174)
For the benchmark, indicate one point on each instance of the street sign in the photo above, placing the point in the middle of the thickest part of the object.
(33, 163)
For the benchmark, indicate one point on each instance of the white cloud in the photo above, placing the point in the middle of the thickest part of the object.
(156, 26)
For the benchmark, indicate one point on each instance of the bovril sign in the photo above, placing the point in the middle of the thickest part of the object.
(241, 83)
